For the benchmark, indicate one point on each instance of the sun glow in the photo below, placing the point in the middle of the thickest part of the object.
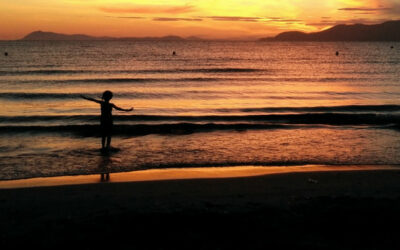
(203, 18)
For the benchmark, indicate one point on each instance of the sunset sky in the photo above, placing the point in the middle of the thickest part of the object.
(203, 18)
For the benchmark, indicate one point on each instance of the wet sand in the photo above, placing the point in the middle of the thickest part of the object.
(181, 174)
(353, 209)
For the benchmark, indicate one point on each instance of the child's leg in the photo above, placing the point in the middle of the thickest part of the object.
(108, 141)
(103, 141)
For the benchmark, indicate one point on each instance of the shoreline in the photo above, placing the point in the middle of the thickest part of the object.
(184, 174)
(352, 208)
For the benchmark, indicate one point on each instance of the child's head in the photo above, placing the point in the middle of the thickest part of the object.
(107, 95)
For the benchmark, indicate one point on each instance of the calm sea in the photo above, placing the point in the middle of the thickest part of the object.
(211, 104)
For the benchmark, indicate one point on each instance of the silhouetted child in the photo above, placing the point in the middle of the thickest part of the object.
(106, 119)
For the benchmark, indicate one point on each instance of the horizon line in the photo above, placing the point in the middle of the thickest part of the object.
(178, 37)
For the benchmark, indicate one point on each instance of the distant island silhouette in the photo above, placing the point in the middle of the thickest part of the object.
(387, 31)
(52, 36)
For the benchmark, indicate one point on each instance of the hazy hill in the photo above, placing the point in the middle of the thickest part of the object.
(51, 36)
(40, 35)
(388, 31)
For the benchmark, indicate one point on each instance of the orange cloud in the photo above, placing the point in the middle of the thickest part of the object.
(328, 23)
(127, 17)
(282, 20)
(173, 19)
(234, 18)
(150, 9)
(363, 9)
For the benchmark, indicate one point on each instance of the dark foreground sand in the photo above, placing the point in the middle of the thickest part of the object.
(311, 210)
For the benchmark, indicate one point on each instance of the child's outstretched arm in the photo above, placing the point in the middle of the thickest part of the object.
(121, 109)
(90, 99)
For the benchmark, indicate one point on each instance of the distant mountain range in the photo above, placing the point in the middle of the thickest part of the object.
(388, 31)
(51, 36)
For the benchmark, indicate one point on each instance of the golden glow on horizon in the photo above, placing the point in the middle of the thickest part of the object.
(203, 18)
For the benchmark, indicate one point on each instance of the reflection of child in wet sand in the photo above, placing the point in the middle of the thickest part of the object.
(106, 120)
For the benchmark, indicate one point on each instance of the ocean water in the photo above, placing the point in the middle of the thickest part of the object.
(212, 104)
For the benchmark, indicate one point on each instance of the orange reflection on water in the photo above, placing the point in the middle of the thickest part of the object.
(185, 173)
